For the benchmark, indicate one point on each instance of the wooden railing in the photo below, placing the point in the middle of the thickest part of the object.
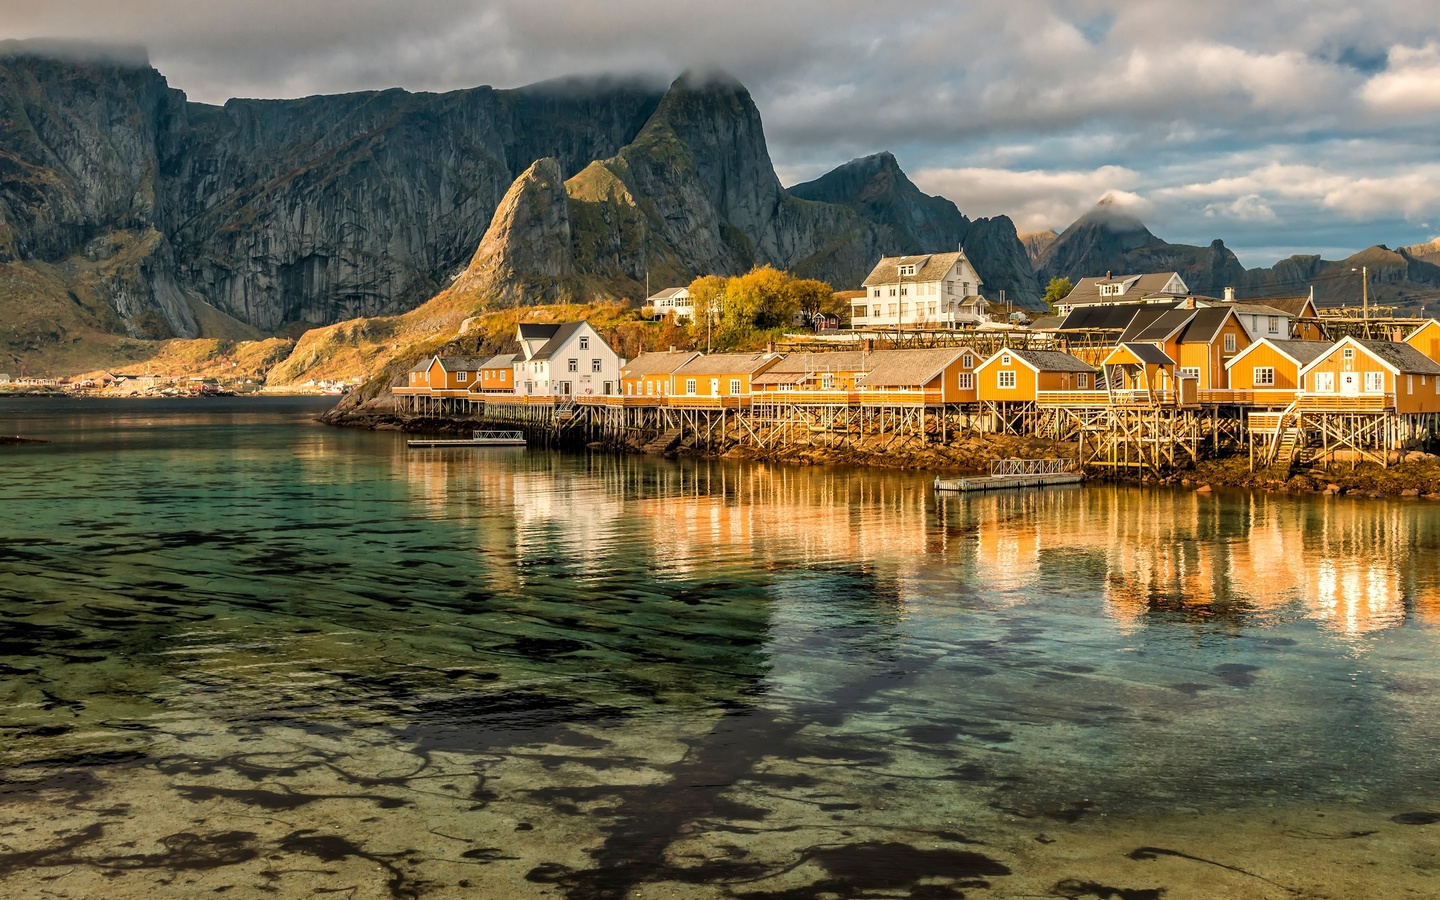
(1343, 403)
(880, 397)
(803, 397)
(1105, 398)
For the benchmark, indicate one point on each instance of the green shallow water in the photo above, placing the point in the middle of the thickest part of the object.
(244, 654)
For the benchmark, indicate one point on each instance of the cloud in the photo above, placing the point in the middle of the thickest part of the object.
(1410, 84)
(1034, 200)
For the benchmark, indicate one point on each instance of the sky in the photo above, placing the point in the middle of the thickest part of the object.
(1307, 126)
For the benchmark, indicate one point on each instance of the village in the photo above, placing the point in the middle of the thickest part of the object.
(1135, 371)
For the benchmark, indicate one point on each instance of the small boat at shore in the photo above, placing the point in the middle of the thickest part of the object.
(483, 438)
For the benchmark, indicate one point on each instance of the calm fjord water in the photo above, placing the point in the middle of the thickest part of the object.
(244, 654)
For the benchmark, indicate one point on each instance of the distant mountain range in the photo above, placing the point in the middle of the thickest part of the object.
(1107, 239)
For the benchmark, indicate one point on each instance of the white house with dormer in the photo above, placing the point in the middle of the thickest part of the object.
(1152, 287)
(565, 360)
(938, 290)
(674, 302)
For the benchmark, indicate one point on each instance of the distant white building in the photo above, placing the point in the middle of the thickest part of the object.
(940, 290)
(674, 301)
(4, 379)
(566, 360)
(1153, 287)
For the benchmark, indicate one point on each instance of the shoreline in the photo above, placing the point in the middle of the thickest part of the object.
(1417, 475)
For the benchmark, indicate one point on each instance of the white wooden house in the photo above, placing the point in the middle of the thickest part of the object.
(566, 360)
(939, 290)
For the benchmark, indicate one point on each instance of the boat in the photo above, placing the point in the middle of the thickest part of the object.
(482, 438)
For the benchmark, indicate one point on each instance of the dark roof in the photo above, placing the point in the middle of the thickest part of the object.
(661, 363)
(1162, 327)
(1150, 354)
(929, 267)
(907, 368)
(1052, 360)
(421, 366)
(531, 331)
(666, 294)
(461, 363)
(1205, 325)
(1403, 357)
(1303, 352)
(1108, 317)
(1045, 323)
(558, 339)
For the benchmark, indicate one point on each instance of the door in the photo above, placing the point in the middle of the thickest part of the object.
(564, 388)
(714, 387)
(1350, 383)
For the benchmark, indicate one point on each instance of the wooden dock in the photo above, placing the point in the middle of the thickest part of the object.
(485, 438)
(1008, 474)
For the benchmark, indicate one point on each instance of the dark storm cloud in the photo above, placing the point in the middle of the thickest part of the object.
(1273, 125)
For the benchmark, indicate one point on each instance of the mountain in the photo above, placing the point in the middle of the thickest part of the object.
(908, 221)
(1429, 253)
(1036, 243)
(128, 213)
(1108, 238)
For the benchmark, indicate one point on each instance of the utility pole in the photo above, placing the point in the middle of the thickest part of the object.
(1364, 298)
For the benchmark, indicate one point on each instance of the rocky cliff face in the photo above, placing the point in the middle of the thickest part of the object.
(142, 206)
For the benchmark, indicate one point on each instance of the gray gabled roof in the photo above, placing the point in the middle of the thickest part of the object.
(1150, 354)
(1052, 360)
(1206, 324)
(557, 340)
(907, 368)
(838, 361)
(1303, 352)
(1403, 357)
(503, 361)
(461, 363)
(666, 294)
(1087, 290)
(658, 363)
(930, 267)
(1291, 306)
(535, 331)
(422, 366)
(1163, 327)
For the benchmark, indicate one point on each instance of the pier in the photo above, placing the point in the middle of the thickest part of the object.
(1009, 474)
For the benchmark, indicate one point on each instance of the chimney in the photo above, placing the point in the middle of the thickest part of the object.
(672, 348)
(1230, 294)
(1190, 301)
(1107, 274)
(769, 346)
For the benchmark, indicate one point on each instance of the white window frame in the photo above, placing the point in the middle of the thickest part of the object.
(827, 382)
(908, 269)
(462, 377)
(967, 381)
(967, 361)
(1082, 381)
(1229, 342)
(1324, 382)
(1005, 380)
(1409, 384)
(1374, 382)
(584, 343)
(1349, 353)
(574, 365)
(1274, 324)
(735, 387)
(1190, 372)
(691, 385)
(596, 365)
(1264, 376)
(1005, 359)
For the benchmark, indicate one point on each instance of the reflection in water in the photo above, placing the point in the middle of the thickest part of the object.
(245, 653)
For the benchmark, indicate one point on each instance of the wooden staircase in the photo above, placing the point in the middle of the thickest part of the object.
(664, 442)
(1285, 442)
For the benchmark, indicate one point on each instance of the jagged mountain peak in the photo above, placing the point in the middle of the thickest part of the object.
(1112, 214)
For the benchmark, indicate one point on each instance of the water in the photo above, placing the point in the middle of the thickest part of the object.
(242, 654)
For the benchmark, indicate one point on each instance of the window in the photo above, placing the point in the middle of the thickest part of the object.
(690, 386)
(967, 361)
(649, 388)
(827, 382)
(1109, 290)
(965, 288)
(1006, 380)
(1325, 382)
(949, 288)
(1409, 384)
(462, 376)
(907, 270)
(1005, 360)
(594, 365)
(892, 292)
(574, 365)
(1082, 381)
(584, 343)
(1230, 342)
(529, 387)
(892, 307)
(1274, 324)
(1264, 376)
(1374, 381)
(875, 310)
(875, 292)
(967, 381)
(904, 291)
(1190, 372)
(503, 374)
(734, 387)
(1349, 353)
